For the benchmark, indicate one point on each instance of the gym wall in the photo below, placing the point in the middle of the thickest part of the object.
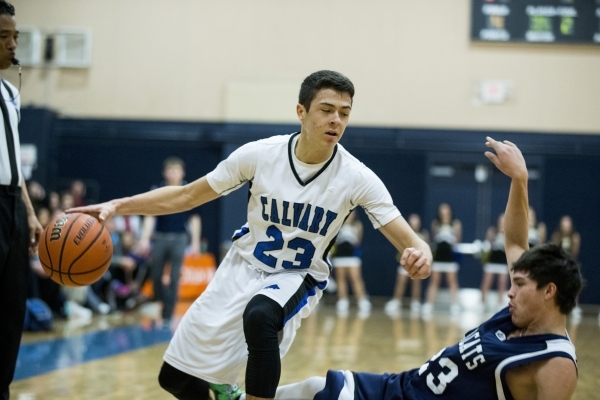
(412, 63)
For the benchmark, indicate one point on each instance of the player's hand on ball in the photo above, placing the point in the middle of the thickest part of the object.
(416, 263)
(101, 211)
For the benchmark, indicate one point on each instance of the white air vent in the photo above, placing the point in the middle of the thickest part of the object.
(73, 48)
(29, 49)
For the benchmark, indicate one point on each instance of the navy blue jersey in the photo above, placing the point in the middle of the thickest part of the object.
(475, 367)
(173, 223)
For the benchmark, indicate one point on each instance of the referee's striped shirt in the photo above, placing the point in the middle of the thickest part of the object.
(10, 153)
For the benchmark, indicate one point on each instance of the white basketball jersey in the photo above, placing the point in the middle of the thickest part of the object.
(292, 223)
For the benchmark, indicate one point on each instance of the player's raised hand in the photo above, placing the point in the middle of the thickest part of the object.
(102, 211)
(507, 158)
(416, 263)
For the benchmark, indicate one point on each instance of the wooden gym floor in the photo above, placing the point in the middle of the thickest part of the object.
(118, 356)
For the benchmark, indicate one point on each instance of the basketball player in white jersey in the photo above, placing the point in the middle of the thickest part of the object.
(302, 187)
(521, 353)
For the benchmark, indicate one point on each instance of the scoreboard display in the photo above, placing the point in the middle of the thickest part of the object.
(536, 21)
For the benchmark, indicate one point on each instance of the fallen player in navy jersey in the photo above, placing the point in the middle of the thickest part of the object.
(522, 352)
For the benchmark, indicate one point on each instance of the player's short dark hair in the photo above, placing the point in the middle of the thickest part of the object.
(7, 8)
(550, 263)
(323, 80)
(173, 161)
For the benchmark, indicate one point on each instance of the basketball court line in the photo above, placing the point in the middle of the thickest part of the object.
(46, 356)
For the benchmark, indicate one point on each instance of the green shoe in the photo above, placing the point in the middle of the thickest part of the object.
(225, 392)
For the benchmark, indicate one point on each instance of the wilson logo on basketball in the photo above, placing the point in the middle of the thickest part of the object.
(84, 230)
(58, 227)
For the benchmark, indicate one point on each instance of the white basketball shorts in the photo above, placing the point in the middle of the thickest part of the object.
(402, 271)
(209, 342)
(494, 268)
(346, 262)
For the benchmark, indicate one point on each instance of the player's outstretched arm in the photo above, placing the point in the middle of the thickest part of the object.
(164, 200)
(416, 254)
(508, 158)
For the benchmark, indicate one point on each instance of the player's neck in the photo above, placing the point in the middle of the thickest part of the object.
(310, 154)
(550, 323)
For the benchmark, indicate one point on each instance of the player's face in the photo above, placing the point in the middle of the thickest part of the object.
(566, 225)
(532, 217)
(8, 40)
(324, 123)
(526, 300)
(415, 222)
(445, 213)
(501, 223)
(173, 174)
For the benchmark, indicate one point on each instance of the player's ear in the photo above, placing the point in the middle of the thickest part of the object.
(301, 112)
(550, 290)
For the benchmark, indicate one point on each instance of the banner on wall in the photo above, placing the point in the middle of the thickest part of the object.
(196, 273)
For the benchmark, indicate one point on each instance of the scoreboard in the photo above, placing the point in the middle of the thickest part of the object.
(536, 21)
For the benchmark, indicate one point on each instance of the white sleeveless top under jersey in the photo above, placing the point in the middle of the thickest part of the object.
(292, 223)
(498, 242)
(533, 236)
(13, 105)
(348, 233)
(446, 234)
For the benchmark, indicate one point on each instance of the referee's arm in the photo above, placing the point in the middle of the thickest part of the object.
(35, 228)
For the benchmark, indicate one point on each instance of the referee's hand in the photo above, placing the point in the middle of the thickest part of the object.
(35, 232)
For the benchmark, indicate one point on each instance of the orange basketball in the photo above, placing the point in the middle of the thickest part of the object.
(75, 249)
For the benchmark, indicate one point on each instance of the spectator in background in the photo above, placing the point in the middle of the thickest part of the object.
(40, 284)
(130, 259)
(44, 216)
(128, 271)
(170, 238)
(54, 203)
(393, 306)
(446, 232)
(37, 195)
(568, 238)
(78, 191)
(129, 223)
(66, 201)
(347, 265)
(537, 230)
(104, 288)
(495, 264)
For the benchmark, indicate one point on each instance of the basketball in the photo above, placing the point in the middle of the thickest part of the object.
(75, 249)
